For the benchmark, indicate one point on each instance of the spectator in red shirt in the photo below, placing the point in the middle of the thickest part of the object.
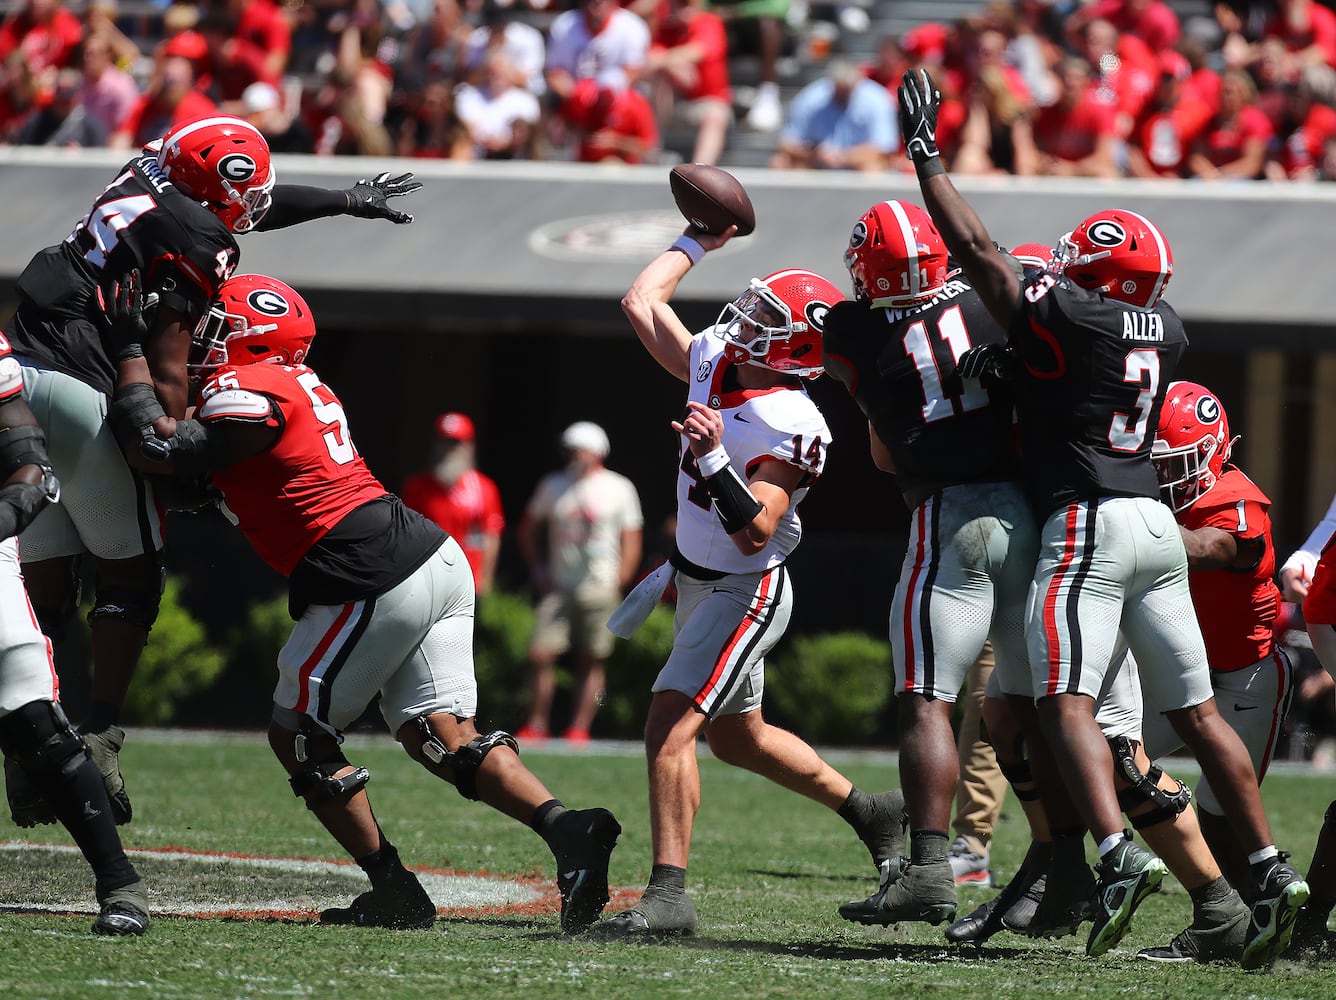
(996, 136)
(1077, 136)
(1308, 30)
(463, 501)
(171, 98)
(1308, 122)
(611, 124)
(1126, 68)
(1152, 21)
(1234, 142)
(688, 62)
(1165, 134)
(246, 45)
(46, 33)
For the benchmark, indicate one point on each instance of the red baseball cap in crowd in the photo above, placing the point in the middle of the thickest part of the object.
(454, 427)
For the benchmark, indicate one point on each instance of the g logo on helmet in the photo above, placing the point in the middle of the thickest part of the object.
(268, 302)
(236, 167)
(816, 314)
(1208, 409)
(859, 236)
(1107, 233)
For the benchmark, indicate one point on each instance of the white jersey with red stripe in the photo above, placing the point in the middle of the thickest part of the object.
(780, 422)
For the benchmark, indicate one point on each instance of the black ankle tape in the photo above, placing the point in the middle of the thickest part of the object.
(668, 877)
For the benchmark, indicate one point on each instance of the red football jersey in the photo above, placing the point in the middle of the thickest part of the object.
(286, 498)
(1320, 604)
(1236, 609)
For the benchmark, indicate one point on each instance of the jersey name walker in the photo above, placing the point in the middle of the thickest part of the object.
(1092, 380)
(1236, 608)
(780, 423)
(182, 251)
(286, 499)
(899, 365)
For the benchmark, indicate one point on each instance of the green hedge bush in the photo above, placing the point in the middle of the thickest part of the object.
(833, 688)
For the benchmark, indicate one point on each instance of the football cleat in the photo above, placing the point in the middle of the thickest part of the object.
(1125, 879)
(885, 839)
(582, 841)
(124, 911)
(1216, 935)
(1280, 894)
(967, 867)
(924, 892)
(399, 903)
(656, 915)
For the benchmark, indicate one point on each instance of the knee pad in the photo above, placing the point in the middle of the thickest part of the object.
(39, 738)
(130, 604)
(1145, 788)
(465, 761)
(1018, 774)
(321, 760)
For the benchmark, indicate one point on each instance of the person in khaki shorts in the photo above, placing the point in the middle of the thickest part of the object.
(592, 520)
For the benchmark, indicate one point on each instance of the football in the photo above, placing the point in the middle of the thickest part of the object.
(711, 199)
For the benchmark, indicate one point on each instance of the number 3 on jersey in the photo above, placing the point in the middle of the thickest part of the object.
(954, 341)
(329, 412)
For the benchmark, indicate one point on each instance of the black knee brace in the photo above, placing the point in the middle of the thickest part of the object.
(1146, 788)
(1018, 774)
(138, 607)
(41, 740)
(465, 761)
(316, 781)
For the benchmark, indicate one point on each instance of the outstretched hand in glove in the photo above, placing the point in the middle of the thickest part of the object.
(369, 199)
(919, 103)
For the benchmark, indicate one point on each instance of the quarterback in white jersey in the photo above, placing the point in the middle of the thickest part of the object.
(753, 442)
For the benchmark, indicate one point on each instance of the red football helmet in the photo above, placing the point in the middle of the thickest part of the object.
(896, 256)
(777, 322)
(223, 162)
(1121, 254)
(1192, 444)
(1035, 257)
(253, 320)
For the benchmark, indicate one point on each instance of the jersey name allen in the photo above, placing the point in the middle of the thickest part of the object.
(1143, 326)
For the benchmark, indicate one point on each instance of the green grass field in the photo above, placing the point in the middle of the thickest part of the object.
(768, 870)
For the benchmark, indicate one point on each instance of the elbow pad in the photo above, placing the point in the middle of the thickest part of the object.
(734, 502)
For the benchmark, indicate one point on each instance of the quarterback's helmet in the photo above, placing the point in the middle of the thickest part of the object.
(896, 256)
(1192, 444)
(254, 319)
(223, 162)
(1035, 257)
(777, 322)
(1119, 253)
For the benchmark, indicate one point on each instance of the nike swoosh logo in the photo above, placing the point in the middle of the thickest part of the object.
(739, 416)
(1243, 708)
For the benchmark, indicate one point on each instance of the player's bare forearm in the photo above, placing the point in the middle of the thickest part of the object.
(1209, 548)
(968, 240)
(653, 319)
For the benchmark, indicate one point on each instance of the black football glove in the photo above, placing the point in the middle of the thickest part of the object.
(368, 199)
(919, 101)
(988, 362)
(122, 317)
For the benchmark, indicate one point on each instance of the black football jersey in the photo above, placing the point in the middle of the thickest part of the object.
(182, 251)
(899, 365)
(1089, 391)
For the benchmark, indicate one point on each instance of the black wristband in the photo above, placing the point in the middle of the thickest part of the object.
(132, 412)
(930, 167)
(734, 502)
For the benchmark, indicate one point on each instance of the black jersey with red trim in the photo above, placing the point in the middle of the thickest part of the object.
(182, 251)
(1089, 388)
(899, 365)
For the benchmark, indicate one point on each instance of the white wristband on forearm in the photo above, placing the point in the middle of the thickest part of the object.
(690, 247)
(712, 461)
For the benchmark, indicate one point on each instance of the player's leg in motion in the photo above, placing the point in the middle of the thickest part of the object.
(1076, 606)
(1159, 627)
(40, 741)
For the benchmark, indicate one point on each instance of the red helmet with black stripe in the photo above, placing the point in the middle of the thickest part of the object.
(896, 256)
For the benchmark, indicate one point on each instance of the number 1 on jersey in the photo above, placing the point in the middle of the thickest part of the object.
(918, 345)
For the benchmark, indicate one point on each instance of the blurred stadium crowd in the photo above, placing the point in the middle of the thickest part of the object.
(1106, 88)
